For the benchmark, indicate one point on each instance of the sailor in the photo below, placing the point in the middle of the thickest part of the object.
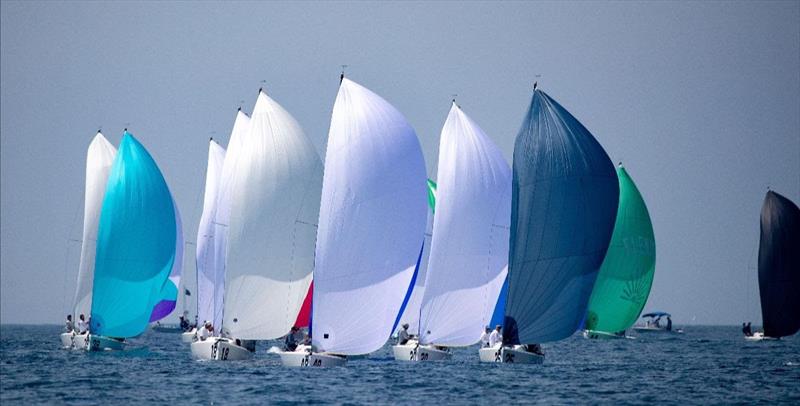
(82, 326)
(496, 338)
(485, 337)
(747, 330)
(403, 336)
(206, 331)
(68, 327)
(184, 324)
(290, 342)
(307, 340)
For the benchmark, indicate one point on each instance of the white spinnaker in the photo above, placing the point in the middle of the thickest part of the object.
(274, 204)
(99, 158)
(469, 249)
(371, 223)
(209, 306)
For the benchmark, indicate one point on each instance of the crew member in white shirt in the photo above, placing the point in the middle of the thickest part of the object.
(485, 337)
(82, 326)
(206, 331)
(495, 339)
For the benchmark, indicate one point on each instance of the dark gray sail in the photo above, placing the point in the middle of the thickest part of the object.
(779, 266)
(564, 204)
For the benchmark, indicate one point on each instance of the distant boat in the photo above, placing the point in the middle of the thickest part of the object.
(779, 267)
(269, 201)
(138, 240)
(654, 323)
(469, 248)
(563, 207)
(371, 228)
(99, 159)
(623, 283)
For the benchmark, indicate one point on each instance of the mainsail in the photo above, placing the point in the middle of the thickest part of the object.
(469, 250)
(222, 214)
(779, 266)
(563, 207)
(274, 191)
(623, 283)
(410, 312)
(210, 267)
(371, 223)
(99, 158)
(136, 243)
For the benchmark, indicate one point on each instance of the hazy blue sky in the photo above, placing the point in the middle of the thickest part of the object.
(701, 101)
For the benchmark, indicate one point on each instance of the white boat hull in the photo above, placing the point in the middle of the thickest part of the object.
(103, 343)
(415, 352)
(219, 349)
(759, 336)
(66, 341)
(79, 341)
(508, 355)
(602, 335)
(304, 358)
(188, 336)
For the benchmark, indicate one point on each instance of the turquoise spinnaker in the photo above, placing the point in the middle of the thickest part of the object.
(136, 240)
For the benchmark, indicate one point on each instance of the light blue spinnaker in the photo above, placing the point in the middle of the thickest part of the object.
(136, 243)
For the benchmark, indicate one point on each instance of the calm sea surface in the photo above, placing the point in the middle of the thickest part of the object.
(704, 365)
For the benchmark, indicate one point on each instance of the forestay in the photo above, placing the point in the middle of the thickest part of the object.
(564, 202)
(136, 243)
(371, 223)
(623, 283)
(779, 266)
(274, 203)
(469, 250)
(210, 266)
(99, 158)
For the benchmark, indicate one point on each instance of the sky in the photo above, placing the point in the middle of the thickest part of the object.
(699, 100)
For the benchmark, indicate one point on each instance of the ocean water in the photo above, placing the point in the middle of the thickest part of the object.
(706, 365)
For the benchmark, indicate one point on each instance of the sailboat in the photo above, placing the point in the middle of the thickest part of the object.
(269, 202)
(371, 228)
(138, 240)
(623, 283)
(779, 268)
(99, 158)
(409, 312)
(563, 207)
(469, 248)
(210, 266)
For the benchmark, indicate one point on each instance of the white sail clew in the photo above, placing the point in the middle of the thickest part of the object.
(99, 159)
(273, 192)
(469, 251)
(209, 265)
(371, 223)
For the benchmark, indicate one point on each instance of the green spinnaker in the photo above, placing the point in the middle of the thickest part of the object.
(432, 195)
(623, 283)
